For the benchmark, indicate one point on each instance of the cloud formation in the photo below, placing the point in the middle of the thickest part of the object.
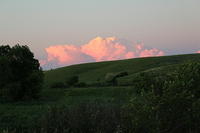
(198, 51)
(98, 49)
(106, 49)
(66, 54)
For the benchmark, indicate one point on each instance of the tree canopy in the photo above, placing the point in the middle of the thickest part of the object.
(21, 74)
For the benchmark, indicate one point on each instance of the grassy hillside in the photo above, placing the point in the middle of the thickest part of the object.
(25, 114)
(92, 72)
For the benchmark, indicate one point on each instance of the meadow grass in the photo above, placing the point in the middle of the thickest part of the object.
(26, 114)
(92, 72)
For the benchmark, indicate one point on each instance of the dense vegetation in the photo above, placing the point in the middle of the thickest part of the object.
(162, 103)
(153, 95)
(21, 77)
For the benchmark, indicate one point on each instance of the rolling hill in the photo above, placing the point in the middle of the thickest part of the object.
(92, 72)
(25, 115)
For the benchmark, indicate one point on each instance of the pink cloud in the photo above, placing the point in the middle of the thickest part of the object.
(151, 52)
(139, 47)
(98, 49)
(198, 51)
(105, 49)
(42, 62)
(66, 54)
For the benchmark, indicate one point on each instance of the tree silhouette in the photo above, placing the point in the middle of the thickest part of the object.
(23, 76)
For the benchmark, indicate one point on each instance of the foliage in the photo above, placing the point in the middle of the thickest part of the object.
(6, 74)
(90, 118)
(150, 81)
(167, 100)
(58, 85)
(173, 110)
(27, 115)
(23, 76)
(111, 78)
(72, 81)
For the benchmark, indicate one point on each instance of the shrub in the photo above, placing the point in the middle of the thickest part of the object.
(149, 81)
(72, 81)
(111, 78)
(173, 110)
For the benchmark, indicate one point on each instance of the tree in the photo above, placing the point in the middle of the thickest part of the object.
(23, 76)
(5, 75)
(4, 50)
(174, 110)
(111, 78)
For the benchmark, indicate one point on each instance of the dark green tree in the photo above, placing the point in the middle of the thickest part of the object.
(174, 110)
(5, 75)
(4, 50)
(23, 76)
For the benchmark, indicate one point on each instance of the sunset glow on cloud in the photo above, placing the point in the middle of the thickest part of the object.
(66, 54)
(198, 51)
(106, 49)
(151, 52)
(98, 49)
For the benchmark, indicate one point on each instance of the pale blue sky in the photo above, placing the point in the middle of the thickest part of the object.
(170, 25)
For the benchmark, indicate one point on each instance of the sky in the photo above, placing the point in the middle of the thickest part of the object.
(70, 29)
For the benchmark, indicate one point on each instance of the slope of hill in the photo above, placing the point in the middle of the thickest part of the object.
(92, 72)
(25, 115)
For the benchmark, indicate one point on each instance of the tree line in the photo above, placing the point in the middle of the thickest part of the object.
(21, 75)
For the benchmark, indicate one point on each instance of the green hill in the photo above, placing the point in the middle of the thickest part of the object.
(93, 72)
(25, 115)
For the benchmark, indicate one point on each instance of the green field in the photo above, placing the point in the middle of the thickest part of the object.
(93, 72)
(25, 114)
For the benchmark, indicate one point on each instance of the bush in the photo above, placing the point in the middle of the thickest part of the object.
(173, 110)
(150, 81)
(111, 78)
(72, 81)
